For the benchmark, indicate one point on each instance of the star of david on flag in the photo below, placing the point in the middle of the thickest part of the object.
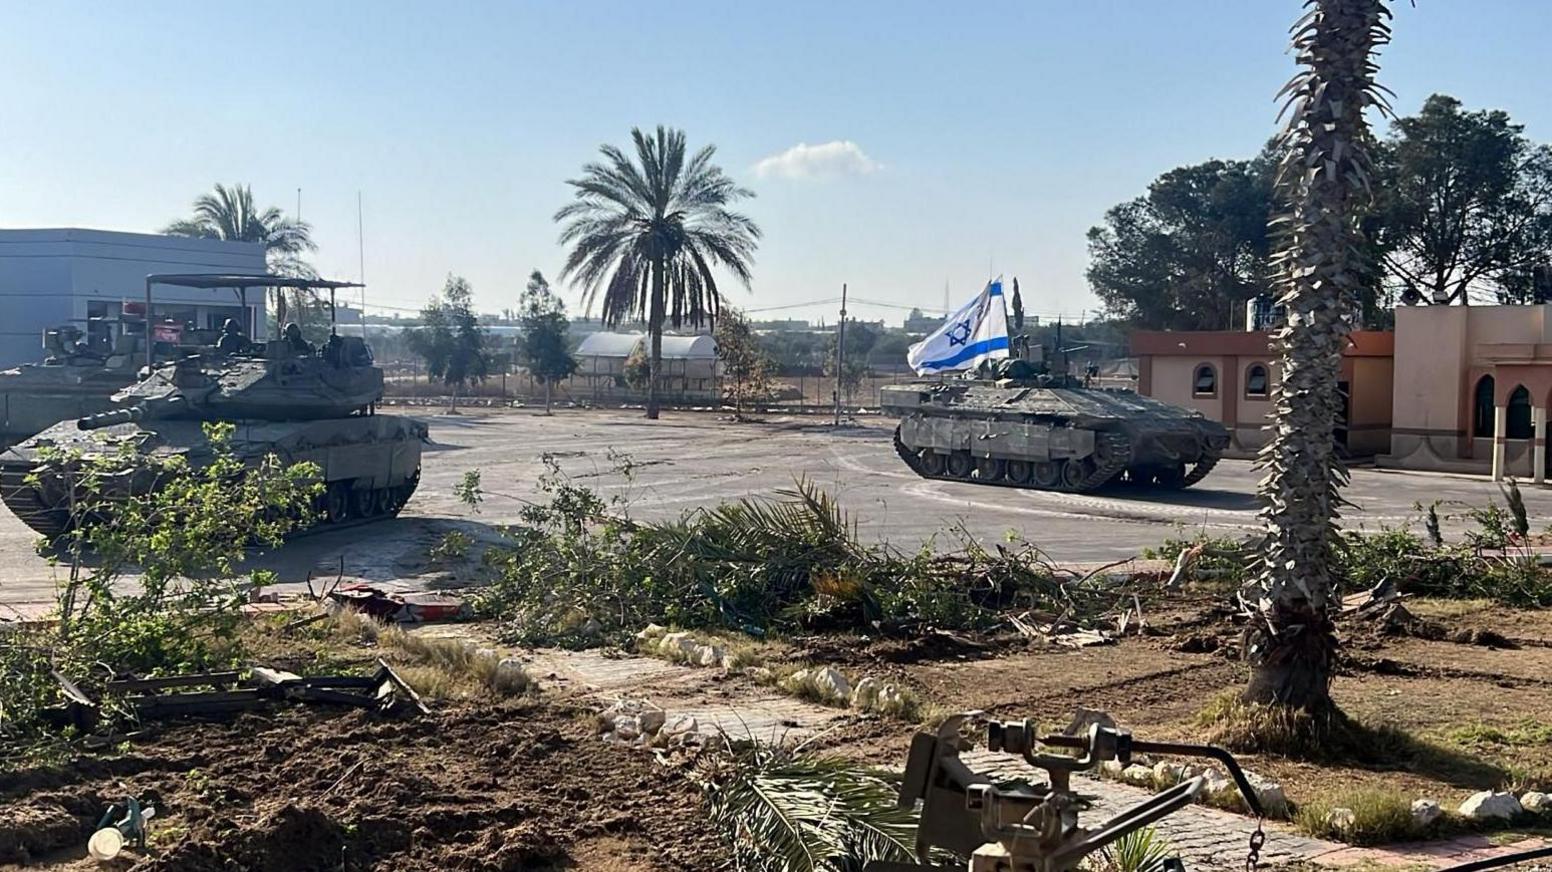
(977, 332)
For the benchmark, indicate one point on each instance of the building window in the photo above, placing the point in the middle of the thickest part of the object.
(1519, 424)
(1204, 383)
(1257, 381)
(1482, 408)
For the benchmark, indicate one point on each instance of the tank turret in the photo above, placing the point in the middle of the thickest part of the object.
(1018, 426)
(78, 376)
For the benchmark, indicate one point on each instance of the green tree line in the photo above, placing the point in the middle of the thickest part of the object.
(1461, 212)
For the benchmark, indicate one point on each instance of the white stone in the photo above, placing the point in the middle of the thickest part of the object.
(832, 685)
(865, 694)
(710, 655)
(889, 699)
(1535, 802)
(1111, 768)
(1167, 773)
(679, 725)
(1342, 819)
(1274, 802)
(1139, 775)
(510, 677)
(486, 654)
(1425, 812)
(626, 727)
(650, 633)
(1491, 804)
(794, 682)
(678, 645)
(1215, 782)
(651, 720)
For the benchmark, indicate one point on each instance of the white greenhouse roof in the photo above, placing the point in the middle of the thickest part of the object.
(622, 344)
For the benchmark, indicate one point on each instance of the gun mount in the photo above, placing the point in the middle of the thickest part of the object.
(1031, 827)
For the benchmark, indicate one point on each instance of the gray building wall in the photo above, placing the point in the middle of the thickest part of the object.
(59, 276)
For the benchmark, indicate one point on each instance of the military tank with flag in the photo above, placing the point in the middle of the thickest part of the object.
(1011, 422)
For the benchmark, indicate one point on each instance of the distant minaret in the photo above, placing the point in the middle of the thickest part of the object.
(946, 309)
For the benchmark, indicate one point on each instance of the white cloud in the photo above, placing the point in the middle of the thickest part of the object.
(840, 157)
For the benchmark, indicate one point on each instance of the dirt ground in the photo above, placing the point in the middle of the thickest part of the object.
(1478, 713)
(512, 786)
(529, 784)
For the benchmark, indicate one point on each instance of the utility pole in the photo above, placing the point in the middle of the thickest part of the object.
(840, 354)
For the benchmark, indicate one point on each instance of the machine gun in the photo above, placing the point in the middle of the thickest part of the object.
(1024, 827)
(1017, 826)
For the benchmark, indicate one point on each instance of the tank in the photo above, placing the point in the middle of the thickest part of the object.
(76, 378)
(1032, 430)
(298, 407)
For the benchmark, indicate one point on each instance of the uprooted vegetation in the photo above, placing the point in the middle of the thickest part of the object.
(184, 542)
(579, 571)
(1494, 560)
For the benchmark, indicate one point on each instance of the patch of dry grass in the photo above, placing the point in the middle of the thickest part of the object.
(1378, 816)
(438, 668)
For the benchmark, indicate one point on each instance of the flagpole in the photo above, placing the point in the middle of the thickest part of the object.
(840, 354)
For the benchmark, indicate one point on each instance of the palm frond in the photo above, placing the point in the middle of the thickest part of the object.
(1143, 850)
(789, 813)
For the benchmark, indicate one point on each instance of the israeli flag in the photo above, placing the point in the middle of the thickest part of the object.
(977, 332)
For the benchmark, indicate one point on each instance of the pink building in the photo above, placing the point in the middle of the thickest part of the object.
(1229, 375)
(1472, 388)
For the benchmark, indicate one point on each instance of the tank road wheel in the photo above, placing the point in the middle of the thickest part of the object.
(1171, 476)
(989, 469)
(363, 501)
(382, 501)
(1019, 472)
(960, 464)
(1045, 474)
(1074, 472)
(932, 462)
(336, 502)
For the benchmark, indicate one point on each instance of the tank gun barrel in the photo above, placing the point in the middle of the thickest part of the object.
(140, 411)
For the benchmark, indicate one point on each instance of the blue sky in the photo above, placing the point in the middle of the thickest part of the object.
(985, 135)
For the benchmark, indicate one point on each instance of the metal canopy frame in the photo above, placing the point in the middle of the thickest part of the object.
(241, 282)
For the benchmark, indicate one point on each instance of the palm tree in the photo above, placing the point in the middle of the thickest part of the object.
(648, 234)
(1323, 184)
(229, 214)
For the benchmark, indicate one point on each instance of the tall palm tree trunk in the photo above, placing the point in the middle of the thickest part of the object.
(1323, 181)
(655, 327)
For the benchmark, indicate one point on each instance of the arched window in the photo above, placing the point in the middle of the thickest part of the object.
(1519, 425)
(1482, 408)
(1258, 382)
(1204, 382)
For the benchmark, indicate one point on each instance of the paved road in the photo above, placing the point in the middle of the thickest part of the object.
(688, 460)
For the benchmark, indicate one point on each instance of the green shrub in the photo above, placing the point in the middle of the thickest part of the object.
(183, 543)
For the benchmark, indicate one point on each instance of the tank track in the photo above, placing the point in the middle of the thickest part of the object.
(24, 502)
(1200, 470)
(1112, 455)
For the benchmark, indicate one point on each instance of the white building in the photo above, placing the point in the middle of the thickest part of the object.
(689, 365)
(64, 276)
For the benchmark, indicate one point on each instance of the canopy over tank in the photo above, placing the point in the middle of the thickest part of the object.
(1048, 432)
